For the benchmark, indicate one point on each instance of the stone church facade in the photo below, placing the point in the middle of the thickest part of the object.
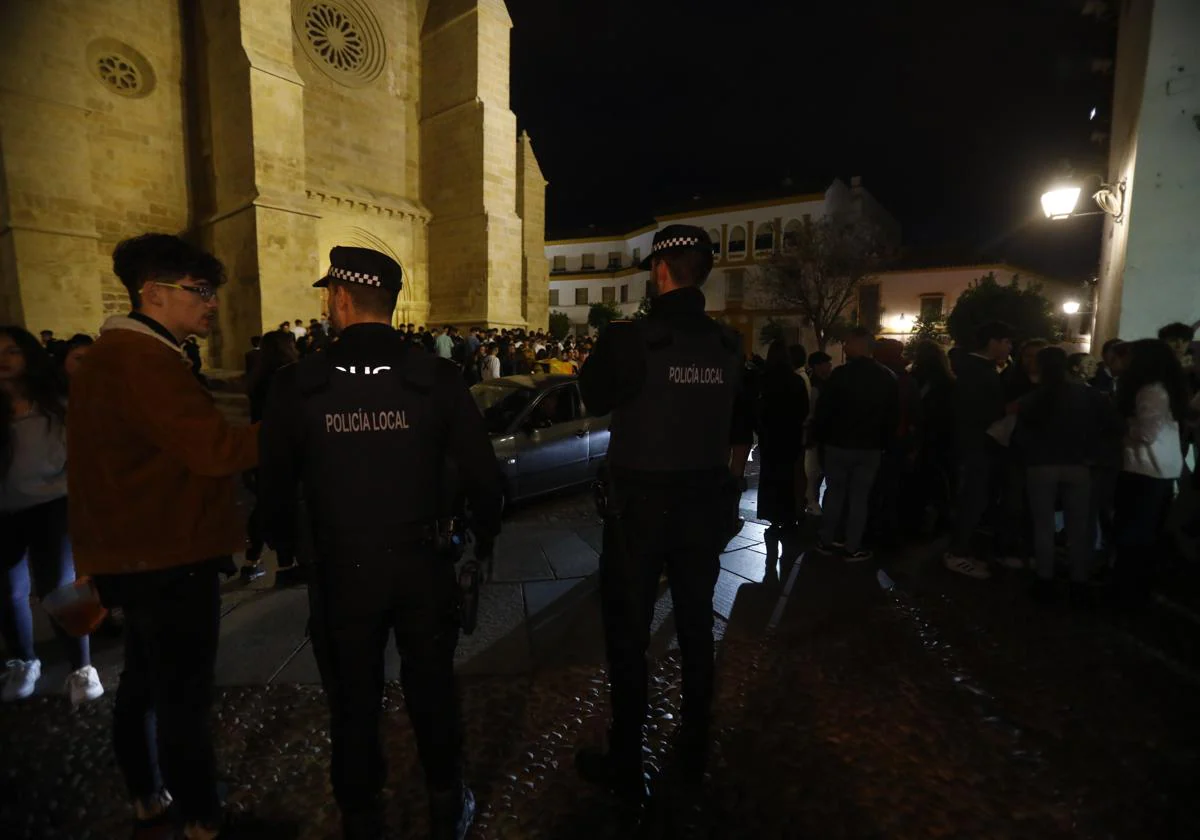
(268, 131)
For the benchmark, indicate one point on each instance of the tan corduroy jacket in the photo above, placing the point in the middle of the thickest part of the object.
(151, 461)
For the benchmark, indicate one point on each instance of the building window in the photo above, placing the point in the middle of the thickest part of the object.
(614, 260)
(735, 285)
(931, 307)
(868, 306)
(737, 243)
(637, 255)
(560, 263)
(608, 294)
(554, 297)
(581, 296)
(587, 262)
(625, 293)
(791, 234)
(764, 239)
(715, 236)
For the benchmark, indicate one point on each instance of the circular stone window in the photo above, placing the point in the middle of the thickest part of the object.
(342, 38)
(120, 68)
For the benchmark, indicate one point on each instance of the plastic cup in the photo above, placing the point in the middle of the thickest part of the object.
(76, 607)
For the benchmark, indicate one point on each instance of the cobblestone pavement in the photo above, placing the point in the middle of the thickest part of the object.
(942, 707)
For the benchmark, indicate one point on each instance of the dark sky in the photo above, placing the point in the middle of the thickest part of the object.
(954, 112)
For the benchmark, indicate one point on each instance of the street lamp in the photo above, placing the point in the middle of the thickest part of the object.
(1070, 307)
(1059, 201)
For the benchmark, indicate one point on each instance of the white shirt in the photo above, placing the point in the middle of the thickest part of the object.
(490, 367)
(299, 332)
(1152, 443)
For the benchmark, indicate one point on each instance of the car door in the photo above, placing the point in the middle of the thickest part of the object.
(554, 451)
(597, 438)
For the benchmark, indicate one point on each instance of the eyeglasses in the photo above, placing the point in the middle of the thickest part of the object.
(205, 293)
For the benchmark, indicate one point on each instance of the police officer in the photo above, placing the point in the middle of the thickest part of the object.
(362, 430)
(671, 381)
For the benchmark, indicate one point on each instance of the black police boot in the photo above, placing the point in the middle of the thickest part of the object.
(451, 813)
(618, 772)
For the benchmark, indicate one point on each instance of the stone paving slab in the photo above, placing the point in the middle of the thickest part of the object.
(569, 555)
(541, 595)
(726, 592)
(260, 635)
(746, 563)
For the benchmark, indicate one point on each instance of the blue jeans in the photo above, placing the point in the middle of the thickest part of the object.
(35, 554)
(849, 477)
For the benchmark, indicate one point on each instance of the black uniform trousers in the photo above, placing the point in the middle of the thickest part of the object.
(679, 528)
(358, 600)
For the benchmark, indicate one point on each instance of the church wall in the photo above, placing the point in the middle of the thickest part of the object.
(87, 161)
(531, 207)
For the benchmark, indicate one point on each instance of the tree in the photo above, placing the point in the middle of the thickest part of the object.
(1025, 309)
(770, 331)
(599, 315)
(923, 329)
(819, 270)
(643, 308)
(560, 325)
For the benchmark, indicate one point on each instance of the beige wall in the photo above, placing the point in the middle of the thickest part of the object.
(1150, 265)
(83, 166)
(246, 143)
(531, 207)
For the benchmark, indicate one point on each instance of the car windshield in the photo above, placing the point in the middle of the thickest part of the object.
(501, 403)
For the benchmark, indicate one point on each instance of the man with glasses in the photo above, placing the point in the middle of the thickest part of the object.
(153, 520)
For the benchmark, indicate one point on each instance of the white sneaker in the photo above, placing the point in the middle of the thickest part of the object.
(84, 685)
(966, 566)
(20, 679)
(1009, 561)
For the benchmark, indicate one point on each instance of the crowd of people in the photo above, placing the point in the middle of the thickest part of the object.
(480, 353)
(1043, 451)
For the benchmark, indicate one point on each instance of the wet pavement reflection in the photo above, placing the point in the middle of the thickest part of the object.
(853, 700)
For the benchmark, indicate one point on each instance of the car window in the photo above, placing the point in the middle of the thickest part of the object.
(583, 409)
(557, 405)
(501, 403)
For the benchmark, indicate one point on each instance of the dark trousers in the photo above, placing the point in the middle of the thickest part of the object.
(678, 529)
(358, 602)
(161, 733)
(849, 477)
(976, 468)
(35, 555)
(1140, 515)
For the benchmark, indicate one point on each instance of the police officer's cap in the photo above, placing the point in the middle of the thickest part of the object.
(362, 265)
(675, 238)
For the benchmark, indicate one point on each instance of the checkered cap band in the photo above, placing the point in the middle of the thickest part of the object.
(354, 277)
(675, 242)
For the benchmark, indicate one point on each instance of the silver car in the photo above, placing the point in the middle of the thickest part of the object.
(542, 433)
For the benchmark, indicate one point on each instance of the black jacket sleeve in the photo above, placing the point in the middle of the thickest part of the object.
(279, 461)
(468, 445)
(615, 371)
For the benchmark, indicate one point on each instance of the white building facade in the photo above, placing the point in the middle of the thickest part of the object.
(745, 236)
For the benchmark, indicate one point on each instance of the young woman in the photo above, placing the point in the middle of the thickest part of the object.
(73, 351)
(935, 465)
(1152, 398)
(277, 350)
(1061, 427)
(35, 552)
(1082, 367)
(782, 409)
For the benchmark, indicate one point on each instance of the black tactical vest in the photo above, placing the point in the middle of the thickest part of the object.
(374, 441)
(680, 420)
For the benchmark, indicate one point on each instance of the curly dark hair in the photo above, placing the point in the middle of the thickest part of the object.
(40, 384)
(160, 256)
(1151, 361)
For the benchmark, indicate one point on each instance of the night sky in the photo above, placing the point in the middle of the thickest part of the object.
(954, 112)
